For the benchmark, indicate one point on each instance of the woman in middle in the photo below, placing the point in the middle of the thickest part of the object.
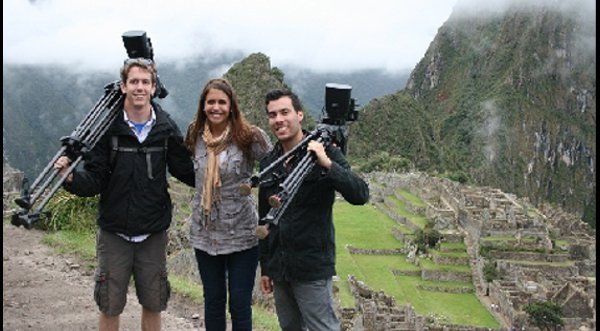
(225, 149)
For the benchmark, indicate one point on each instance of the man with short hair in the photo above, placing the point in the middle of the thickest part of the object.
(297, 257)
(128, 168)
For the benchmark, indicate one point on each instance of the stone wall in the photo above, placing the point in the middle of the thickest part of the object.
(446, 276)
(373, 251)
(445, 289)
(390, 206)
(401, 237)
(574, 302)
(406, 272)
(454, 260)
(528, 256)
(453, 237)
(511, 268)
(12, 180)
(500, 292)
(586, 268)
(379, 312)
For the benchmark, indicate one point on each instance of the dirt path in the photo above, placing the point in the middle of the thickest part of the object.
(44, 291)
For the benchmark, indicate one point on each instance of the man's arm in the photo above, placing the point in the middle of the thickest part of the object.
(353, 188)
(179, 160)
(91, 179)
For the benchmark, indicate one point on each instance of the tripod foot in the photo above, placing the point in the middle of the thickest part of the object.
(25, 219)
(23, 202)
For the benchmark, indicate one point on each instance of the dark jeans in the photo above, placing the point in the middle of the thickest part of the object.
(234, 272)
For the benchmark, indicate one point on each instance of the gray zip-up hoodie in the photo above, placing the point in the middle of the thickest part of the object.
(233, 219)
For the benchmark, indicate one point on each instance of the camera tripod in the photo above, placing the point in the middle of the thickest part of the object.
(82, 139)
(289, 187)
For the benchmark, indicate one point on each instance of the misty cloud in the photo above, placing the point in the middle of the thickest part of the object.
(489, 129)
(337, 35)
(580, 8)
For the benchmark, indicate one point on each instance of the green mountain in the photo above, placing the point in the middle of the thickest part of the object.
(39, 108)
(506, 100)
(252, 78)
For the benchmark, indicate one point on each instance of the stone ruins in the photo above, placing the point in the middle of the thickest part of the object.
(546, 254)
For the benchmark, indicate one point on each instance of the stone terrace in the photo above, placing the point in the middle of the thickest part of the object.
(518, 237)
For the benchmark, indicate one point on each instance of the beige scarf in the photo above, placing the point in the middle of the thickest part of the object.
(212, 179)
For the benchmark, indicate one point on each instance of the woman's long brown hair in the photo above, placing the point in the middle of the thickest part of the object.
(243, 134)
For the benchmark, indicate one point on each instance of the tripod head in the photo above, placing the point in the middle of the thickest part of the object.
(139, 45)
(339, 107)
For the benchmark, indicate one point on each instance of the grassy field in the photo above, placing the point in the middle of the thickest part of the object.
(418, 220)
(367, 227)
(415, 200)
(453, 247)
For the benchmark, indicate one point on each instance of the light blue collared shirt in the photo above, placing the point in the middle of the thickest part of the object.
(141, 130)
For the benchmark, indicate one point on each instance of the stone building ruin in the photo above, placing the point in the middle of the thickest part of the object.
(540, 254)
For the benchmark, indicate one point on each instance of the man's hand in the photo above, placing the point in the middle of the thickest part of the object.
(319, 150)
(63, 164)
(266, 284)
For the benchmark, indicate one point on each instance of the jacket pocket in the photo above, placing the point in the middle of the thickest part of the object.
(234, 163)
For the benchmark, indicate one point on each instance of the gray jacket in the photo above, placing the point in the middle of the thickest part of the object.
(233, 219)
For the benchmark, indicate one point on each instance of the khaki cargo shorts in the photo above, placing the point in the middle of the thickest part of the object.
(118, 260)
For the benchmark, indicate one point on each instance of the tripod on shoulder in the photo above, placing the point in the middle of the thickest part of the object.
(83, 139)
(340, 108)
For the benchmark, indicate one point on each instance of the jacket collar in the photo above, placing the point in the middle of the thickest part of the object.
(120, 127)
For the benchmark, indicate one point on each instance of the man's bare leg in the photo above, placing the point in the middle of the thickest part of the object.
(108, 323)
(150, 320)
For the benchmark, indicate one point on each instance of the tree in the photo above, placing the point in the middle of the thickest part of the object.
(589, 212)
(427, 238)
(546, 315)
(489, 271)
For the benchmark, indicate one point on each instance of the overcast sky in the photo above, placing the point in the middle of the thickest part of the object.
(321, 34)
(331, 35)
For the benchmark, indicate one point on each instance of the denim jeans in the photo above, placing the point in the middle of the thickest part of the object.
(235, 273)
(305, 305)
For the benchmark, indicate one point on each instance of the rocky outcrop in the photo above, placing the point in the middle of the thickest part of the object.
(12, 180)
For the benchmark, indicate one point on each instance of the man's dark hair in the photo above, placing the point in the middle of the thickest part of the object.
(278, 93)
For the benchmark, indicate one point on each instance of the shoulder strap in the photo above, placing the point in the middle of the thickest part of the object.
(146, 150)
(166, 145)
(113, 150)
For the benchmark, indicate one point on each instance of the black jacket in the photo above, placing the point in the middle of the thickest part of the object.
(302, 246)
(130, 201)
